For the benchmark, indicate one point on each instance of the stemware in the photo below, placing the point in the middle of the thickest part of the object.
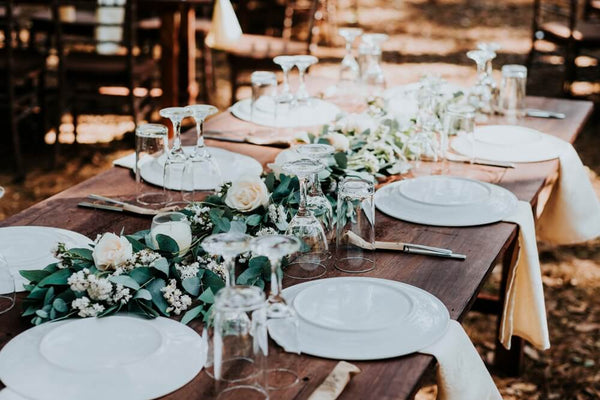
(176, 115)
(263, 106)
(349, 70)
(302, 63)
(316, 200)
(279, 313)
(306, 227)
(482, 94)
(286, 63)
(7, 287)
(492, 47)
(205, 171)
(227, 245)
(151, 143)
(459, 120)
(175, 164)
(371, 71)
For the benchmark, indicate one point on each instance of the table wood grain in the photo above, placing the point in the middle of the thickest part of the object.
(455, 283)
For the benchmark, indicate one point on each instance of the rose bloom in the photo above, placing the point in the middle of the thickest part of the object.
(111, 251)
(247, 194)
(339, 141)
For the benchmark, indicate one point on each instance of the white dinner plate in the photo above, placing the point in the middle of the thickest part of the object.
(335, 317)
(319, 112)
(445, 201)
(30, 247)
(117, 357)
(509, 143)
(232, 165)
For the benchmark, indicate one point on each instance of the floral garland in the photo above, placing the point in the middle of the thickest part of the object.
(135, 274)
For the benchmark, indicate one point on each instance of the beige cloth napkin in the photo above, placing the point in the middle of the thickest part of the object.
(335, 382)
(127, 161)
(225, 29)
(524, 311)
(461, 374)
(572, 213)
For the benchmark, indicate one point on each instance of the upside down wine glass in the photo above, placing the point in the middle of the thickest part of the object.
(176, 161)
(205, 172)
(306, 264)
(286, 63)
(372, 74)
(282, 320)
(481, 95)
(302, 63)
(349, 70)
(316, 200)
(227, 245)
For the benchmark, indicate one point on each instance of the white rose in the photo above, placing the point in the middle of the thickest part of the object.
(247, 194)
(339, 141)
(111, 251)
(357, 123)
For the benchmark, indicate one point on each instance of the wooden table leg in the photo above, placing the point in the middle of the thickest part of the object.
(188, 87)
(169, 43)
(508, 361)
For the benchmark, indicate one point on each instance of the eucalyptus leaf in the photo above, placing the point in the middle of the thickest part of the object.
(141, 275)
(191, 314)
(162, 265)
(140, 235)
(60, 305)
(341, 159)
(159, 301)
(192, 285)
(37, 293)
(57, 278)
(126, 281)
(34, 275)
(207, 296)
(49, 295)
(41, 314)
(167, 244)
(143, 294)
(212, 280)
(253, 220)
(86, 254)
(135, 244)
(238, 226)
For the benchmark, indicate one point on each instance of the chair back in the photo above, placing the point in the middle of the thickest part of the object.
(556, 11)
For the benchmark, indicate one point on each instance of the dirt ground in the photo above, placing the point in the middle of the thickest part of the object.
(425, 37)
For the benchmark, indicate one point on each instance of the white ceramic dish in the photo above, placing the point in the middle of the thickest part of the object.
(117, 357)
(334, 324)
(445, 201)
(319, 112)
(232, 165)
(30, 247)
(510, 143)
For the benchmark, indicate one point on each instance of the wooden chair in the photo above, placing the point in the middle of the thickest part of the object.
(85, 65)
(22, 70)
(558, 22)
(592, 10)
(256, 51)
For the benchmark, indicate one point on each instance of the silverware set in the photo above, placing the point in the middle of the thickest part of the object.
(122, 206)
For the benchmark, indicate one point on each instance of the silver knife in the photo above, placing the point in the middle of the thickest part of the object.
(535, 113)
(455, 256)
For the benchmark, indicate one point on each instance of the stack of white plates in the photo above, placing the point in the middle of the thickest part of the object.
(30, 247)
(118, 357)
(445, 201)
(356, 318)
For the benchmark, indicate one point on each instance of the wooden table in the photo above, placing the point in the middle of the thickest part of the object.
(455, 283)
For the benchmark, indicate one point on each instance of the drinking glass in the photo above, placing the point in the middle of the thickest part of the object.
(175, 164)
(306, 227)
(371, 72)
(7, 287)
(355, 233)
(459, 120)
(316, 201)
(151, 143)
(302, 63)
(205, 172)
(481, 95)
(349, 70)
(492, 47)
(512, 91)
(263, 107)
(176, 226)
(227, 245)
(286, 63)
(239, 345)
(280, 316)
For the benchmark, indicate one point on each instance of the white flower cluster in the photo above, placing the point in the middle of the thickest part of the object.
(98, 289)
(201, 218)
(213, 265)
(86, 307)
(178, 301)
(278, 216)
(60, 253)
(188, 271)
(266, 231)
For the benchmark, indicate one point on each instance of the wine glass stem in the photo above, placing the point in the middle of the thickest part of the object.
(176, 134)
(348, 48)
(276, 278)
(315, 189)
(286, 81)
(230, 275)
(302, 87)
(200, 138)
(303, 195)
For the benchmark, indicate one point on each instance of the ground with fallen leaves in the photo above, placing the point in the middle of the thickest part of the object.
(425, 37)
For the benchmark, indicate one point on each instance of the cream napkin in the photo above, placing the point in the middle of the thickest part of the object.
(461, 374)
(572, 213)
(335, 382)
(225, 29)
(127, 161)
(524, 311)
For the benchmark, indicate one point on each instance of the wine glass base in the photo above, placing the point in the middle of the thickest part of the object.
(304, 270)
(7, 303)
(246, 392)
(237, 369)
(153, 198)
(354, 265)
(284, 377)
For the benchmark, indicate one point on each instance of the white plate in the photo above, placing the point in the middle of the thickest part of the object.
(30, 247)
(232, 165)
(510, 143)
(319, 112)
(416, 318)
(445, 201)
(117, 357)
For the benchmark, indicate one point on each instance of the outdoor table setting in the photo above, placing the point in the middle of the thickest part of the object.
(339, 267)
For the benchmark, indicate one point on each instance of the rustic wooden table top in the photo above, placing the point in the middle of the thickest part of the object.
(455, 283)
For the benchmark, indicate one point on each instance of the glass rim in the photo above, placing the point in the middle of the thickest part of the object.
(263, 77)
(513, 70)
(465, 110)
(240, 298)
(151, 130)
(361, 187)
